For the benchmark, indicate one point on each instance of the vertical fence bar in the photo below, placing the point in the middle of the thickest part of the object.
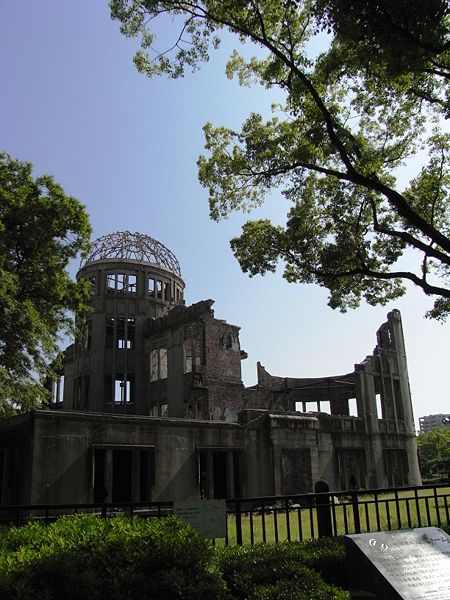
(238, 523)
(344, 507)
(446, 508)
(288, 522)
(377, 511)
(263, 515)
(427, 504)
(300, 524)
(436, 503)
(252, 532)
(311, 519)
(275, 524)
(408, 513)
(388, 515)
(397, 506)
(419, 520)
(333, 512)
(227, 539)
(355, 506)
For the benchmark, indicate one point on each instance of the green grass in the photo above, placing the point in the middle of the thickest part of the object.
(421, 510)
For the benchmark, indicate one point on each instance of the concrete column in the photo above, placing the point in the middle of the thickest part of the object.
(395, 322)
(374, 444)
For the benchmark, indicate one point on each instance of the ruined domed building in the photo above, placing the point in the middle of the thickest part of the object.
(151, 405)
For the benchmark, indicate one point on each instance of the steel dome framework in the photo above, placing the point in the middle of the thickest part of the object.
(124, 245)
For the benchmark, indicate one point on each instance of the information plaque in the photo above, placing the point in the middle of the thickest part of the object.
(407, 565)
(207, 516)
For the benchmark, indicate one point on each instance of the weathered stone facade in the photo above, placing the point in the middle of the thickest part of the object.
(154, 407)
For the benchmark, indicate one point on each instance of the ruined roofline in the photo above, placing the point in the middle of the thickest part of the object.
(303, 383)
(389, 338)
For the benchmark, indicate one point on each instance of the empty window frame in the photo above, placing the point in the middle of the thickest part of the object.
(120, 333)
(121, 283)
(352, 407)
(151, 288)
(192, 348)
(126, 333)
(158, 364)
(123, 474)
(220, 473)
(159, 289)
(123, 389)
(58, 389)
(167, 291)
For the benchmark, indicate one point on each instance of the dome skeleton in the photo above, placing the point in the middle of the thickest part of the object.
(124, 245)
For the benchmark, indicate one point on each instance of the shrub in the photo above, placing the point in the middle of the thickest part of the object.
(83, 557)
(284, 570)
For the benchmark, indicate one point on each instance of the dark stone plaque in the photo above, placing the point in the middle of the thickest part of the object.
(406, 565)
(296, 469)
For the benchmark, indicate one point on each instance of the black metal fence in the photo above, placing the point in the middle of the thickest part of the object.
(279, 518)
(293, 518)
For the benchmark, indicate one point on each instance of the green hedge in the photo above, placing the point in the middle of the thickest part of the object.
(84, 557)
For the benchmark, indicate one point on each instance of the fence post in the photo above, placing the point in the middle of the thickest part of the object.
(238, 523)
(323, 508)
(355, 506)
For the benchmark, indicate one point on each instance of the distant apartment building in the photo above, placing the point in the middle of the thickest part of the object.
(432, 421)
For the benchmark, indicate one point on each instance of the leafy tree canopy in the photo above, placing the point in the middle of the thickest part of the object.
(41, 230)
(434, 452)
(353, 116)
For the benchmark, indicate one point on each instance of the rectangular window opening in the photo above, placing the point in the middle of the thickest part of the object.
(121, 283)
(166, 291)
(122, 390)
(325, 407)
(110, 282)
(151, 288)
(379, 406)
(352, 407)
(131, 284)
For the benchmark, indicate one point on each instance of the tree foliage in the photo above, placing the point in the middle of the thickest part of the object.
(373, 100)
(434, 452)
(41, 230)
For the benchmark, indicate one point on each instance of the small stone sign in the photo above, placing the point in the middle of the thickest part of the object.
(207, 516)
(401, 565)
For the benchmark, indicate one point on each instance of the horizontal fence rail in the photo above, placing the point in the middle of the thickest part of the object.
(272, 519)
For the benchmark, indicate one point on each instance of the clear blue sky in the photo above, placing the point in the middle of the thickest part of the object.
(73, 104)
